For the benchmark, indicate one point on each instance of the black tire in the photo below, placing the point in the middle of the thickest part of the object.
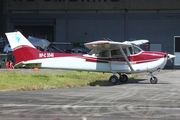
(113, 79)
(123, 78)
(153, 80)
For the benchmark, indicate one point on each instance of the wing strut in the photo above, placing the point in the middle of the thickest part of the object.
(125, 57)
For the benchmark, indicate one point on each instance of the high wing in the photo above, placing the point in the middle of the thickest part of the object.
(102, 44)
(139, 42)
(97, 46)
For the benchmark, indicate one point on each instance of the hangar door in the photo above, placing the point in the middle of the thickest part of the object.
(41, 28)
(45, 32)
(177, 50)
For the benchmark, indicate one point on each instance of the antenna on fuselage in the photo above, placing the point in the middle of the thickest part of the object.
(108, 39)
(105, 39)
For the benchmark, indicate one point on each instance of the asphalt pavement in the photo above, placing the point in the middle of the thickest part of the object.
(136, 100)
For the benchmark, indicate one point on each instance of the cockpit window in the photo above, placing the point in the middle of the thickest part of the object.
(136, 49)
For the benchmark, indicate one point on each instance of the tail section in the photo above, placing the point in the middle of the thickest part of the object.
(22, 49)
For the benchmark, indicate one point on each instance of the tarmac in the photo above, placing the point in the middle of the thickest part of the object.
(136, 100)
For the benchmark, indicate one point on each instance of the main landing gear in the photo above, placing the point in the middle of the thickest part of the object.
(114, 79)
(153, 79)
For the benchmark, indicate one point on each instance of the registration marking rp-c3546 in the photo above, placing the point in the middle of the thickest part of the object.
(46, 55)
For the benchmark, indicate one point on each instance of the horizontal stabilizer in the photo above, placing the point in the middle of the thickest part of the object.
(106, 44)
(28, 65)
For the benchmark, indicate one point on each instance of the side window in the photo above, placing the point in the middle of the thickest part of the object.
(125, 51)
(115, 53)
(104, 53)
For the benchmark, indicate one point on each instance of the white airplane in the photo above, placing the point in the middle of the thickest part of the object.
(106, 56)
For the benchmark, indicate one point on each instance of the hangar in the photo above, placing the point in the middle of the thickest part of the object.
(80, 21)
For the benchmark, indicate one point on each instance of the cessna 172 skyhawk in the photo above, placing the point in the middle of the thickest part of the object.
(106, 56)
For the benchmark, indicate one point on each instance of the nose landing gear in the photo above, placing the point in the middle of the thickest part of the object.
(153, 79)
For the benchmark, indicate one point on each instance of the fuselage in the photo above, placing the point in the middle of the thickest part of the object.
(144, 61)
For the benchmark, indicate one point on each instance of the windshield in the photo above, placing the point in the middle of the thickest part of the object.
(136, 49)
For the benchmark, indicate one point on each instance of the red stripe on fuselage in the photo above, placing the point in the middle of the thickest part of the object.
(147, 56)
(100, 60)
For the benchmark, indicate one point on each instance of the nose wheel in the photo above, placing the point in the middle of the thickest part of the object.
(153, 79)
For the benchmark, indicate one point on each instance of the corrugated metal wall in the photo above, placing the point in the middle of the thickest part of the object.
(2, 18)
(157, 21)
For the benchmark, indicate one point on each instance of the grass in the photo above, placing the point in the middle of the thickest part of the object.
(19, 81)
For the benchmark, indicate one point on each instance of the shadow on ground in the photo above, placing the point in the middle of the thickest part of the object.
(107, 83)
(130, 81)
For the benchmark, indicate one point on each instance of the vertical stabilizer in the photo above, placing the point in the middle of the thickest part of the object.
(16, 39)
(22, 49)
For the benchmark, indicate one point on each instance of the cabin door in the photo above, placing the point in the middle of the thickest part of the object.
(118, 62)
